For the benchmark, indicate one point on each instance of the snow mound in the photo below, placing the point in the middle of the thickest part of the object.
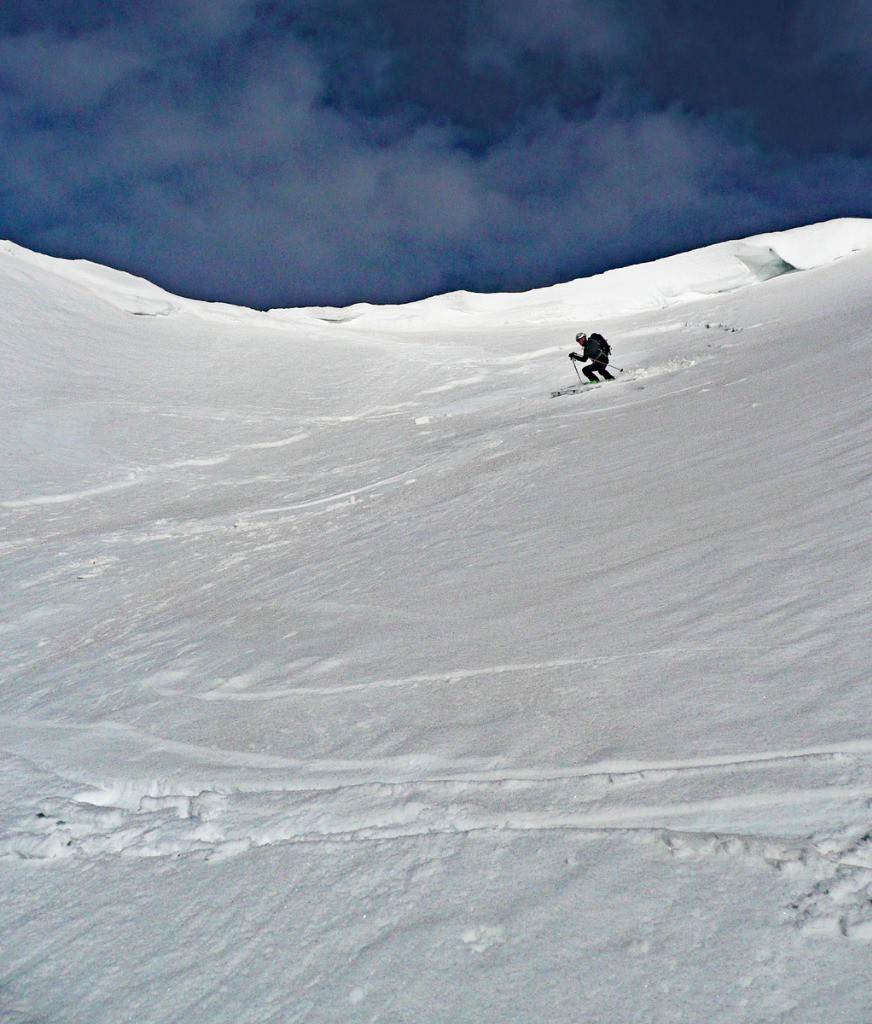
(117, 288)
(124, 291)
(816, 245)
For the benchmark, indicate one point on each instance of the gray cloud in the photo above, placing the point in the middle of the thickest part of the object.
(575, 30)
(53, 74)
(840, 31)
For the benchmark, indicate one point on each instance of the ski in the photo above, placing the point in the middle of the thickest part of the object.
(577, 389)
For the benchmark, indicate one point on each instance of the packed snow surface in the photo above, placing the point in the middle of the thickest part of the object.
(348, 676)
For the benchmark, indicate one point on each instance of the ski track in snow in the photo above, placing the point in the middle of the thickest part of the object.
(670, 804)
(143, 474)
(233, 692)
(332, 499)
(63, 499)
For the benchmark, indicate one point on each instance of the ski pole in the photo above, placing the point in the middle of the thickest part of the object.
(577, 374)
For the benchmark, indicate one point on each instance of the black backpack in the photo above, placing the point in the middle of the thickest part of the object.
(605, 347)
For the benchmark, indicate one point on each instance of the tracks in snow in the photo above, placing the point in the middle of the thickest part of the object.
(803, 814)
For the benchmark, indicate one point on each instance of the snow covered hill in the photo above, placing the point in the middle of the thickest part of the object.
(347, 676)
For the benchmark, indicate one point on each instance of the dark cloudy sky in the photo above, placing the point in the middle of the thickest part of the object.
(326, 151)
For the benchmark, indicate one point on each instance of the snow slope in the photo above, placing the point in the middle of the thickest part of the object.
(347, 676)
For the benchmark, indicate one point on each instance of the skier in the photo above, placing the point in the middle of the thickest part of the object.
(598, 351)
